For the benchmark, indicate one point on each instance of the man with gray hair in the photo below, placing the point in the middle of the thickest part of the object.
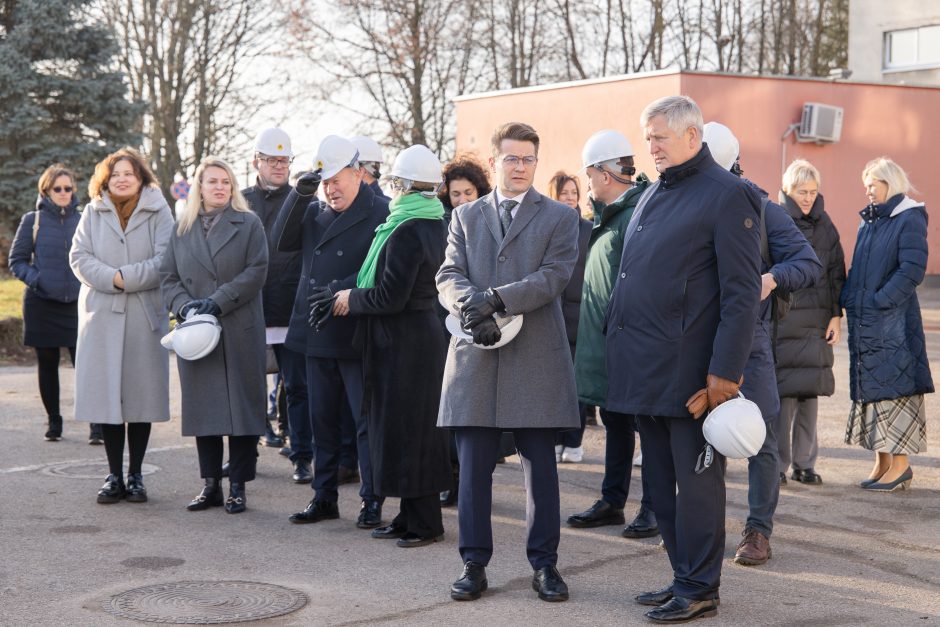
(679, 331)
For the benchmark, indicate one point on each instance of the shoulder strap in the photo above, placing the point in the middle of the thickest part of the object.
(35, 227)
(764, 245)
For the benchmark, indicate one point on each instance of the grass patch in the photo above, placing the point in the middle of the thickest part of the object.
(11, 298)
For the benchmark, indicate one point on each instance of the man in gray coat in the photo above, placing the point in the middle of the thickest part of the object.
(513, 252)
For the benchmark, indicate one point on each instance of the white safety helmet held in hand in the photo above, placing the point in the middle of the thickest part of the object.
(195, 338)
(736, 428)
(274, 142)
(606, 145)
(417, 164)
(722, 144)
(334, 154)
(509, 327)
(369, 149)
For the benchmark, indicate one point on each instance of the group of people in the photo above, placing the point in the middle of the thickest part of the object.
(676, 294)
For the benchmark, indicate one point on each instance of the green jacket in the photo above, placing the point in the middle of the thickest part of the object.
(600, 274)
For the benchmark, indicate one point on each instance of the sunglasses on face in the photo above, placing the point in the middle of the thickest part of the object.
(59, 190)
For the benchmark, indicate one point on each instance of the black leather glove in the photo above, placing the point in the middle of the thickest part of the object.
(486, 332)
(185, 309)
(479, 306)
(308, 184)
(208, 306)
(321, 313)
(319, 299)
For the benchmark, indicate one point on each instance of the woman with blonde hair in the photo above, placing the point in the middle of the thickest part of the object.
(121, 371)
(888, 372)
(806, 335)
(216, 264)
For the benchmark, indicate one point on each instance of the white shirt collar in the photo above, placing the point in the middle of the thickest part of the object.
(500, 198)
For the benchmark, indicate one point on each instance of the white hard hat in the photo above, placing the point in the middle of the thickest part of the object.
(369, 149)
(195, 338)
(604, 146)
(334, 154)
(274, 142)
(736, 428)
(509, 327)
(417, 163)
(722, 144)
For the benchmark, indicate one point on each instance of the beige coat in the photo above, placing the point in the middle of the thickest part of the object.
(121, 371)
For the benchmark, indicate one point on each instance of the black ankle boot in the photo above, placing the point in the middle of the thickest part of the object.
(54, 431)
(211, 496)
(112, 491)
(235, 503)
(136, 492)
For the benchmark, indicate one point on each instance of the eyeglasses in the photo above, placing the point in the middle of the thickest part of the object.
(512, 161)
(59, 190)
(275, 162)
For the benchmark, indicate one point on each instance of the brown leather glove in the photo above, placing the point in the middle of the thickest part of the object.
(720, 390)
(697, 403)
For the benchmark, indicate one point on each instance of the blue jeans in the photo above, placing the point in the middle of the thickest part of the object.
(763, 478)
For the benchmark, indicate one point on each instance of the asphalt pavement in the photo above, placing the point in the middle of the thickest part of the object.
(841, 556)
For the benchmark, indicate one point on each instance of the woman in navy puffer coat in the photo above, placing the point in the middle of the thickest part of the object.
(889, 373)
(40, 259)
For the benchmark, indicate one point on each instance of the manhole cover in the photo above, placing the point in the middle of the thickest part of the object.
(205, 602)
(89, 470)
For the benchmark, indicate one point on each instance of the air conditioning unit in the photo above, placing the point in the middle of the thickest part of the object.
(821, 123)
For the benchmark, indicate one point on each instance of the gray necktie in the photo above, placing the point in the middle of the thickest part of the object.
(505, 214)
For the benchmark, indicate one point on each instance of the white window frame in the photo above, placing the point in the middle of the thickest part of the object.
(887, 68)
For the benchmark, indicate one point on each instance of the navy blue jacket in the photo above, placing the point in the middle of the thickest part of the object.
(887, 353)
(280, 287)
(377, 190)
(49, 276)
(794, 267)
(686, 300)
(334, 246)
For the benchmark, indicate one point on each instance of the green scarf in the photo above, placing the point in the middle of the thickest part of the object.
(402, 209)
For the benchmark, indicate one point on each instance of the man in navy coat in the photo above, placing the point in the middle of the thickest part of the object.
(679, 330)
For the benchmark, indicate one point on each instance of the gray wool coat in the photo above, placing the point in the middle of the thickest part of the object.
(121, 371)
(528, 383)
(224, 392)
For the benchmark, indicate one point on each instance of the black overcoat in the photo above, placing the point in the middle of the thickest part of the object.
(334, 246)
(403, 349)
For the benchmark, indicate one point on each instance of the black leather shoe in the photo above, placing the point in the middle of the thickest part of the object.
(681, 609)
(285, 451)
(302, 472)
(783, 478)
(410, 540)
(54, 431)
(136, 492)
(112, 491)
(389, 532)
(471, 585)
(597, 515)
(315, 512)
(270, 438)
(370, 515)
(448, 498)
(95, 435)
(347, 475)
(549, 584)
(806, 476)
(236, 502)
(211, 496)
(655, 598)
(225, 469)
(643, 526)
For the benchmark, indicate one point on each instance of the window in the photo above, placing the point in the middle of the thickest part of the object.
(912, 48)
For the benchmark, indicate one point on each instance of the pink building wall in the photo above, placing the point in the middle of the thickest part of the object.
(901, 122)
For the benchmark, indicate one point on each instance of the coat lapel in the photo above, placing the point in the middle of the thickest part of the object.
(343, 222)
(489, 211)
(200, 249)
(109, 214)
(527, 210)
(224, 230)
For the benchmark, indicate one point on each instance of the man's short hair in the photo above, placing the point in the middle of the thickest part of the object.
(680, 112)
(517, 131)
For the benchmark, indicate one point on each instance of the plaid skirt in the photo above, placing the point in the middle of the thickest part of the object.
(897, 426)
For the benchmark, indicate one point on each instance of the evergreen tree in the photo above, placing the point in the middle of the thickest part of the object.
(62, 99)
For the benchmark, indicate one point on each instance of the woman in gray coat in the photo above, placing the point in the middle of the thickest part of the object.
(216, 264)
(121, 371)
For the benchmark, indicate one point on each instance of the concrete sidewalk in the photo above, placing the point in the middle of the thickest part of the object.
(841, 556)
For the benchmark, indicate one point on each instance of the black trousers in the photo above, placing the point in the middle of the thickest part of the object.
(421, 515)
(242, 457)
(478, 449)
(692, 518)
(48, 361)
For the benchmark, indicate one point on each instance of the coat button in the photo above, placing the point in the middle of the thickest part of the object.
(623, 275)
(502, 257)
(122, 241)
(339, 253)
(620, 327)
(639, 228)
(189, 281)
(317, 252)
